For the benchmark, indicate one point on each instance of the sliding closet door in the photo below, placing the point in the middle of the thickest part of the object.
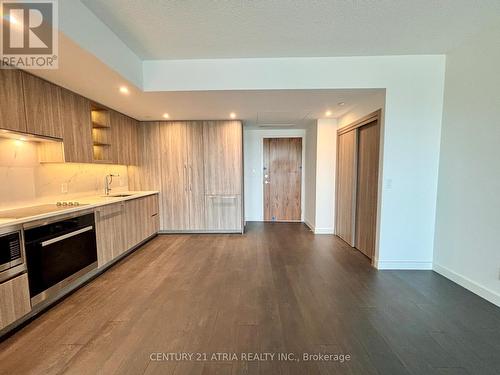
(174, 176)
(346, 186)
(367, 188)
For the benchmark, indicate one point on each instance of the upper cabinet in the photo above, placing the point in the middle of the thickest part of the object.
(12, 115)
(43, 107)
(223, 150)
(124, 139)
(77, 130)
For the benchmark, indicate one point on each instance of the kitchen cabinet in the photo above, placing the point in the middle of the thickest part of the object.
(223, 167)
(14, 300)
(223, 150)
(43, 107)
(110, 232)
(181, 147)
(141, 219)
(197, 166)
(124, 139)
(12, 115)
(77, 129)
(223, 213)
(121, 226)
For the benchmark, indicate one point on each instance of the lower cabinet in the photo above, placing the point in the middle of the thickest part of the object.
(14, 300)
(223, 212)
(110, 232)
(121, 226)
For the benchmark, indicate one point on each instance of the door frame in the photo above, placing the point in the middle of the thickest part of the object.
(371, 117)
(302, 180)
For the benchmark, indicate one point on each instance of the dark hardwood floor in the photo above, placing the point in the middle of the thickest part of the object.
(277, 289)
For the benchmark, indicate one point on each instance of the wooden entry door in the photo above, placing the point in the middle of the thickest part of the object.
(282, 179)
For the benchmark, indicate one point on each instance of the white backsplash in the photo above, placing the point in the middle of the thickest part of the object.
(24, 181)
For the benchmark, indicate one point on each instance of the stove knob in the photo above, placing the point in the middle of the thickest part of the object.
(59, 204)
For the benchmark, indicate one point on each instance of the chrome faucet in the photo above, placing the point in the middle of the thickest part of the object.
(108, 180)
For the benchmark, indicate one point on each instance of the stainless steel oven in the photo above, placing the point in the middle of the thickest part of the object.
(59, 253)
(12, 260)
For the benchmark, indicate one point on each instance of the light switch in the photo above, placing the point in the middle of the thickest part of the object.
(64, 187)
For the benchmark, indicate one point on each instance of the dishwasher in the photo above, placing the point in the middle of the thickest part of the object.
(58, 254)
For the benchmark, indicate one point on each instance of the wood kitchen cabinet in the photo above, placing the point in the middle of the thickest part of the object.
(223, 212)
(197, 166)
(223, 167)
(43, 107)
(181, 147)
(223, 156)
(12, 115)
(121, 226)
(110, 232)
(124, 139)
(77, 129)
(14, 300)
(141, 219)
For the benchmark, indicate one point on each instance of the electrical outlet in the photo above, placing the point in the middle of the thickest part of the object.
(64, 187)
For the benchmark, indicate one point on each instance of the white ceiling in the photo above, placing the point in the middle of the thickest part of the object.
(189, 29)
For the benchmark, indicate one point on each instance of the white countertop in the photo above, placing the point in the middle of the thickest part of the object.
(86, 203)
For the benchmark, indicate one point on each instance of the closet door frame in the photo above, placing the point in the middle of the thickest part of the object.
(368, 119)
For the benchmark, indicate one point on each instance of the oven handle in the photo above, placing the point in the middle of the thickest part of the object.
(65, 236)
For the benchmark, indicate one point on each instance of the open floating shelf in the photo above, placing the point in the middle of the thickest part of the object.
(101, 133)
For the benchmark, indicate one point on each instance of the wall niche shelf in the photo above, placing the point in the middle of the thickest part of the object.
(101, 133)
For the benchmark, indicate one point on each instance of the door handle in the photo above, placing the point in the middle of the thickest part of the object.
(66, 236)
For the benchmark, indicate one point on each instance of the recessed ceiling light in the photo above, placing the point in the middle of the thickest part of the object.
(166, 115)
(232, 115)
(124, 90)
(328, 113)
(341, 104)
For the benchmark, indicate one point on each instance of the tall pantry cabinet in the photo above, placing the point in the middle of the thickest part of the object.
(198, 168)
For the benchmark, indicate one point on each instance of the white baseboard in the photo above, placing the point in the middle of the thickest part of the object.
(323, 231)
(469, 284)
(318, 230)
(401, 265)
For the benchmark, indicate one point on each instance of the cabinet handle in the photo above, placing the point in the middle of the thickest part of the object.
(190, 178)
(184, 177)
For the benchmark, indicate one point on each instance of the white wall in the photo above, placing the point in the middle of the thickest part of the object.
(310, 176)
(326, 149)
(414, 103)
(253, 164)
(467, 246)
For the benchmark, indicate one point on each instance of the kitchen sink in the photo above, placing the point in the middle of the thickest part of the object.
(117, 195)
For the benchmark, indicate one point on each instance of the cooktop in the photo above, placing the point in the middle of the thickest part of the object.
(19, 213)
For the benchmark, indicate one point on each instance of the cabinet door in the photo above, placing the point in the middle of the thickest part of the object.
(77, 129)
(124, 139)
(118, 146)
(196, 187)
(141, 220)
(223, 213)
(133, 151)
(12, 115)
(42, 100)
(174, 176)
(14, 300)
(223, 154)
(110, 232)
